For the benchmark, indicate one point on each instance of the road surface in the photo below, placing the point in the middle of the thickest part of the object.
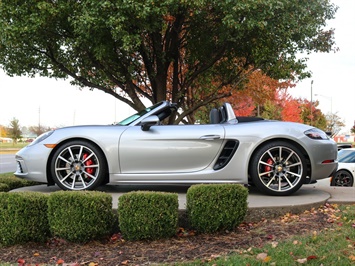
(7, 163)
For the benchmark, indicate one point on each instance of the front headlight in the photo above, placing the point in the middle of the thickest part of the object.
(41, 137)
(316, 133)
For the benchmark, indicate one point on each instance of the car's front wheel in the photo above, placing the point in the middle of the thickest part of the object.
(278, 168)
(78, 165)
(342, 178)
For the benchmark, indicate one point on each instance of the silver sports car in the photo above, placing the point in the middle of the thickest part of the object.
(276, 157)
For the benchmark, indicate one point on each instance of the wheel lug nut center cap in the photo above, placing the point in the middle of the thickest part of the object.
(77, 167)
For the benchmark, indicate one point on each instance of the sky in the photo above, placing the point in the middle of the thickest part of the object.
(333, 74)
(56, 103)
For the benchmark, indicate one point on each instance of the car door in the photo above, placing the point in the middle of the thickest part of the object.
(169, 148)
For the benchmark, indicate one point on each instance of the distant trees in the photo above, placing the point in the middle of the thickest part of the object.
(334, 123)
(14, 130)
(38, 130)
(269, 98)
(3, 131)
(17, 133)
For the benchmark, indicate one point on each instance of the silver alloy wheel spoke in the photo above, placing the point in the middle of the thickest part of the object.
(82, 181)
(270, 182)
(280, 152)
(63, 159)
(271, 156)
(68, 175)
(71, 154)
(265, 173)
(288, 181)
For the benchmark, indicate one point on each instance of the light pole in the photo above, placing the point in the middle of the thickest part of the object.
(329, 98)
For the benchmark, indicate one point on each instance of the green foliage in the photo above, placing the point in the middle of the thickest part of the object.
(271, 111)
(162, 49)
(23, 217)
(79, 216)
(148, 215)
(4, 187)
(5, 146)
(14, 129)
(13, 182)
(216, 207)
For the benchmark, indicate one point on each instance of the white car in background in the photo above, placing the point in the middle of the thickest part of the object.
(344, 176)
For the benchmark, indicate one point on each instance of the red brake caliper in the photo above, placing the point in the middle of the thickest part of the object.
(89, 162)
(267, 167)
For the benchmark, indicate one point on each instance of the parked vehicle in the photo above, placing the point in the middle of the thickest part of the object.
(344, 145)
(344, 176)
(277, 157)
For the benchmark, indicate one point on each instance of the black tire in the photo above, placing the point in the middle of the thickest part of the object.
(278, 168)
(78, 165)
(342, 178)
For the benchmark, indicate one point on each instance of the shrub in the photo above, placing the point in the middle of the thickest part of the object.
(216, 207)
(4, 187)
(80, 216)
(148, 215)
(23, 217)
(14, 182)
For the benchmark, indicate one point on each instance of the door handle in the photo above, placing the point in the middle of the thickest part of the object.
(210, 137)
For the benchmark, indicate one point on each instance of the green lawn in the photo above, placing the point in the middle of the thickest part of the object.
(11, 147)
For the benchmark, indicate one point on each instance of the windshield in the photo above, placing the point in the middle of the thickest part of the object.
(346, 156)
(134, 117)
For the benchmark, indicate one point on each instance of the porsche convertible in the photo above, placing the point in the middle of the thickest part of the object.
(274, 156)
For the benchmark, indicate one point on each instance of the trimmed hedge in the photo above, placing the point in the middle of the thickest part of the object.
(216, 207)
(80, 216)
(23, 218)
(4, 187)
(148, 215)
(13, 182)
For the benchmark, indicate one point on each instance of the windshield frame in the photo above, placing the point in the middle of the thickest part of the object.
(137, 117)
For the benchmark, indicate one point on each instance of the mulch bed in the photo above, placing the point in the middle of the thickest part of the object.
(185, 246)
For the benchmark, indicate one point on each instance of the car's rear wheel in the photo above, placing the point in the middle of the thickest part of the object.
(78, 165)
(342, 178)
(278, 168)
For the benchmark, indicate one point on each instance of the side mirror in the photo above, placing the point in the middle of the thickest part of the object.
(149, 122)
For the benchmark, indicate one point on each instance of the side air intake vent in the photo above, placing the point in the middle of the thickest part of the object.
(227, 153)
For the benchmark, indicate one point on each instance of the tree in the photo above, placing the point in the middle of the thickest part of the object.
(3, 131)
(38, 130)
(291, 111)
(14, 130)
(334, 123)
(184, 51)
(257, 91)
(352, 130)
(311, 115)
